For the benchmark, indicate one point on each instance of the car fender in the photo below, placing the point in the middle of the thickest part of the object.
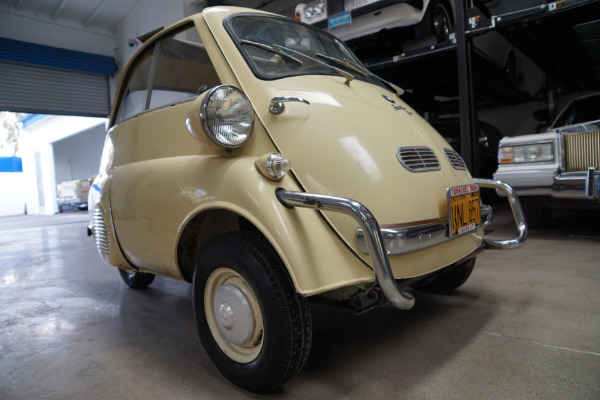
(317, 260)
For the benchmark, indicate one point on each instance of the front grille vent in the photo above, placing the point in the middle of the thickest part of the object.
(101, 233)
(455, 159)
(582, 150)
(418, 159)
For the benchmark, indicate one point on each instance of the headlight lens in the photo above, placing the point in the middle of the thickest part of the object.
(314, 9)
(227, 116)
(528, 153)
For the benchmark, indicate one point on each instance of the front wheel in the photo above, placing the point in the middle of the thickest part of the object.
(252, 323)
(135, 279)
(449, 280)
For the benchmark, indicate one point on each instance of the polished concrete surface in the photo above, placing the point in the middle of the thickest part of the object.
(526, 325)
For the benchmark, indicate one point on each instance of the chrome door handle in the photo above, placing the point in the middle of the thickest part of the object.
(277, 106)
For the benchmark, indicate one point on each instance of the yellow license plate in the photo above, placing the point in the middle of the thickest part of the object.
(463, 209)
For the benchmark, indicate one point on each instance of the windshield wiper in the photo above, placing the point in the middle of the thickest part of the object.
(343, 63)
(349, 77)
(364, 73)
(275, 49)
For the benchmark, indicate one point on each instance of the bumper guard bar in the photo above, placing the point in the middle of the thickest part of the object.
(374, 240)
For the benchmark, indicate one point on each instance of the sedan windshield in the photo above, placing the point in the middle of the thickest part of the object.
(278, 48)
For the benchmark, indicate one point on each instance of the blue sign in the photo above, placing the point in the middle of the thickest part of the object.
(341, 19)
(11, 164)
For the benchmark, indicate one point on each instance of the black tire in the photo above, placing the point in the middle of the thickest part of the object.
(449, 280)
(537, 215)
(136, 280)
(242, 268)
(437, 21)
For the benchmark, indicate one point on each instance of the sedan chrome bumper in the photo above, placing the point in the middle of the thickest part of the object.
(374, 237)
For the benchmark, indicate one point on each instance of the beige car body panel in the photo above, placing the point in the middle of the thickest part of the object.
(161, 178)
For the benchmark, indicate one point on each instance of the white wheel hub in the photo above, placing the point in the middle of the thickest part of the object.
(233, 314)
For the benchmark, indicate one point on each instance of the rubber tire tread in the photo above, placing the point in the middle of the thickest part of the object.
(137, 280)
(448, 281)
(425, 27)
(254, 248)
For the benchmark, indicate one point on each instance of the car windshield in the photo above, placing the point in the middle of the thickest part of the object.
(278, 48)
(582, 110)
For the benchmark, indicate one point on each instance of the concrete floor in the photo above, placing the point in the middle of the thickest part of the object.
(526, 325)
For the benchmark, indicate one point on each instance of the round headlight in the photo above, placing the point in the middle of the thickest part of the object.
(227, 116)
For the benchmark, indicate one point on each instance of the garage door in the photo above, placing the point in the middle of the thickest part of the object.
(47, 80)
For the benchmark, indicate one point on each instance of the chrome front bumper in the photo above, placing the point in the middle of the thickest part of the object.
(551, 183)
(374, 237)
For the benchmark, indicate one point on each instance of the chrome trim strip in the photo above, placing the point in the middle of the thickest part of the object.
(589, 182)
(417, 237)
(517, 211)
(368, 223)
(569, 185)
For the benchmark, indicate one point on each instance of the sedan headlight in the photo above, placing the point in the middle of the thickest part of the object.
(527, 153)
(227, 117)
(314, 9)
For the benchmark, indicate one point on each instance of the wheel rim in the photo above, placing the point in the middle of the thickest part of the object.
(233, 315)
(441, 22)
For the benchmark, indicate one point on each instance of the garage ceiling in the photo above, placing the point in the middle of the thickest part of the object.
(103, 14)
(108, 14)
(45, 70)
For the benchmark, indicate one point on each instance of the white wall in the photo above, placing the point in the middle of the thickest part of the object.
(12, 193)
(78, 156)
(39, 170)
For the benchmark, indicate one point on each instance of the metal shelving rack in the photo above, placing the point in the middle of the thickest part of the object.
(524, 28)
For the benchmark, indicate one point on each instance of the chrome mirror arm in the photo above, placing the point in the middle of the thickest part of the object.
(277, 106)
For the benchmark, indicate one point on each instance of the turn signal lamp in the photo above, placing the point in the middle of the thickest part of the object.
(505, 155)
(273, 166)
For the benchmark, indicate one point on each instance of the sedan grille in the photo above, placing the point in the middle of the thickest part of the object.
(582, 150)
(455, 159)
(418, 159)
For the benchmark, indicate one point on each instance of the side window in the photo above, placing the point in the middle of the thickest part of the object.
(175, 69)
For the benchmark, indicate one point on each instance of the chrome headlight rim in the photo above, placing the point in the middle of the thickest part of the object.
(206, 123)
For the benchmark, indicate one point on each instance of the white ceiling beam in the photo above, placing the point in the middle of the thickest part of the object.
(94, 14)
(58, 10)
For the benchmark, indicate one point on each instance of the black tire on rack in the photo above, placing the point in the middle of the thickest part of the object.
(437, 21)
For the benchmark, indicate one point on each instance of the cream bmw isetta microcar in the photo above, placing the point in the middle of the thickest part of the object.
(255, 156)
